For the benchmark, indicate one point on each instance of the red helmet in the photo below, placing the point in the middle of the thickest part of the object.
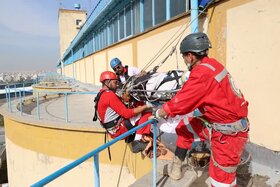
(107, 75)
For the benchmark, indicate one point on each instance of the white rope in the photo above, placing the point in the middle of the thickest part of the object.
(178, 38)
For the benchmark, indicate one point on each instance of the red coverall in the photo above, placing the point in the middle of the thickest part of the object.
(210, 88)
(110, 107)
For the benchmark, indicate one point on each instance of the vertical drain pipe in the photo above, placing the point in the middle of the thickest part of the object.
(194, 16)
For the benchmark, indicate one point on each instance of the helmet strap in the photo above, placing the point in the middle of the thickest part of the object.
(109, 86)
(190, 66)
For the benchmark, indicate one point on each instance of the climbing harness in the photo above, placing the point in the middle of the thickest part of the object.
(241, 125)
(113, 126)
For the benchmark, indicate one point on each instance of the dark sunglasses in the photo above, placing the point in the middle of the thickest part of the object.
(117, 67)
(115, 81)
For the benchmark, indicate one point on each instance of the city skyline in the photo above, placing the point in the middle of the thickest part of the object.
(29, 36)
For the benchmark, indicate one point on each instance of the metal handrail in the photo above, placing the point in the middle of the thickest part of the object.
(95, 153)
(65, 93)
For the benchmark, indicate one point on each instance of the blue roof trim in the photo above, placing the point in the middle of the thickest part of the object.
(97, 13)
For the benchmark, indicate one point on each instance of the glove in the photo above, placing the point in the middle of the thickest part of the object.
(155, 115)
(149, 105)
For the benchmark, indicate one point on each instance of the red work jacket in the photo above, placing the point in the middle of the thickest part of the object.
(110, 107)
(211, 89)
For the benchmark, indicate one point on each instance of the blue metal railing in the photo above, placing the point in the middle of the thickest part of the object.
(95, 156)
(21, 93)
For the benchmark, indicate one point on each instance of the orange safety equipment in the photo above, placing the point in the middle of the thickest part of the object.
(107, 75)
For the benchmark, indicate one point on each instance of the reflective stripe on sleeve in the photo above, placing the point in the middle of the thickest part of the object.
(221, 75)
(209, 66)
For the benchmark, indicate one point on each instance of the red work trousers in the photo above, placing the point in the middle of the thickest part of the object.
(145, 130)
(226, 149)
(144, 117)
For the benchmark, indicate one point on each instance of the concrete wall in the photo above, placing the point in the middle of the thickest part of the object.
(253, 44)
(245, 38)
(36, 149)
(67, 26)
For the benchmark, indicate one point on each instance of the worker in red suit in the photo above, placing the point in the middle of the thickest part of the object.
(211, 89)
(114, 115)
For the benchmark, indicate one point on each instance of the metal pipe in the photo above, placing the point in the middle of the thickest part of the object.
(20, 103)
(153, 13)
(10, 104)
(73, 65)
(38, 105)
(66, 107)
(75, 163)
(7, 100)
(15, 87)
(131, 18)
(167, 10)
(23, 93)
(194, 16)
(155, 153)
(96, 170)
(141, 15)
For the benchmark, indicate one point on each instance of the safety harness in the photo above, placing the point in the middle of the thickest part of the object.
(170, 78)
(113, 126)
(233, 128)
(96, 100)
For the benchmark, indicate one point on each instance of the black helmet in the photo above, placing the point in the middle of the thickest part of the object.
(197, 43)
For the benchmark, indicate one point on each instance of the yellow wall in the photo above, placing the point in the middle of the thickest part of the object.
(99, 65)
(67, 26)
(69, 70)
(253, 45)
(89, 69)
(137, 51)
(36, 149)
(123, 52)
(244, 36)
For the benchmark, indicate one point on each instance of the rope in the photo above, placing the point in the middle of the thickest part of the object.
(122, 165)
(166, 45)
(109, 151)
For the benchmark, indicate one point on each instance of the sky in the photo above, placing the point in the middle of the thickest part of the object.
(29, 36)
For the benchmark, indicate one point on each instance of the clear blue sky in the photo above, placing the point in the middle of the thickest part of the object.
(29, 38)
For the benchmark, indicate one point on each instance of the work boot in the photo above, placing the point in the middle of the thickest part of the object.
(175, 168)
(138, 146)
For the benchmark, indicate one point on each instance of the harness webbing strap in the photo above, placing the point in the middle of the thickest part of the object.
(227, 169)
(105, 141)
(170, 78)
(242, 125)
(190, 129)
(96, 100)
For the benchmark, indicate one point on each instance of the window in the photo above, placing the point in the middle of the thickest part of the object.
(96, 41)
(78, 21)
(136, 17)
(128, 20)
(111, 32)
(160, 11)
(116, 33)
(101, 39)
(105, 35)
(121, 25)
(148, 20)
(177, 7)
